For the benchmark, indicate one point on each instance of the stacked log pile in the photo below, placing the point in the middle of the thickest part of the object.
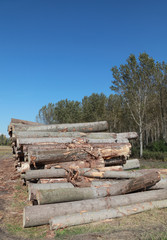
(80, 168)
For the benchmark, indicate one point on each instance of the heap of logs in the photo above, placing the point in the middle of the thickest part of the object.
(80, 168)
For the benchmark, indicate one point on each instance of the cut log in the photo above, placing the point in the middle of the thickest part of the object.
(76, 194)
(101, 135)
(115, 136)
(44, 173)
(31, 141)
(40, 214)
(162, 184)
(14, 120)
(68, 127)
(32, 188)
(90, 217)
(114, 162)
(25, 134)
(86, 172)
(76, 152)
(131, 164)
(52, 180)
(109, 174)
(92, 163)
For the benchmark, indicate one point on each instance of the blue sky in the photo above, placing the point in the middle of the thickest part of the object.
(56, 49)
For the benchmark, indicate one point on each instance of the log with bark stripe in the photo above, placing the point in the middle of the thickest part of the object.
(40, 214)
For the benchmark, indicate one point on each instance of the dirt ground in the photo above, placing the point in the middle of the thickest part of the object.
(145, 226)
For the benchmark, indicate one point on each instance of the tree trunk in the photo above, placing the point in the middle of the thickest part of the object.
(141, 139)
(89, 217)
(40, 214)
(76, 194)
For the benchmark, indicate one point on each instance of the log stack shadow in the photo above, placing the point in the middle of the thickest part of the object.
(76, 173)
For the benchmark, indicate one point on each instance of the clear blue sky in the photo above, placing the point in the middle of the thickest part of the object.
(56, 49)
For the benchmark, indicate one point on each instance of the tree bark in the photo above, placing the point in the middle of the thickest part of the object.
(76, 194)
(89, 217)
(40, 214)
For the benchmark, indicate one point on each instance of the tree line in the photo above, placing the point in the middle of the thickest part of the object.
(137, 102)
(4, 141)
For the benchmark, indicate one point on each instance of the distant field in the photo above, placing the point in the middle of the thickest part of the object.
(5, 150)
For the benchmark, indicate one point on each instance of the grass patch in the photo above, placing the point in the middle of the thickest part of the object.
(5, 150)
(13, 219)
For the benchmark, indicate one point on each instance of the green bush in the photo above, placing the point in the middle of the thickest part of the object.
(158, 146)
(155, 155)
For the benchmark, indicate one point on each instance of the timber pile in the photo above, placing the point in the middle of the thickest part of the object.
(80, 168)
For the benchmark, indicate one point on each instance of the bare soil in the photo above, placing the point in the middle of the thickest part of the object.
(145, 226)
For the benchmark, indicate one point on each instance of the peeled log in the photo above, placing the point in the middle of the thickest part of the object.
(32, 188)
(40, 214)
(89, 217)
(76, 194)
(69, 127)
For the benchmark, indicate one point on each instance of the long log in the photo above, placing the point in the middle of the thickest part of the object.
(25, 134)
(79, 152)
(95, 135)
(30, 141)
(32, 188)
(115, 136)
(68, 127)
(40, 214)
(76, 194)
(86, 172)
(89, 217)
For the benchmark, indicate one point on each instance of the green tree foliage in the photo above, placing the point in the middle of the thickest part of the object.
(4, 141)
(68, 111)
(94, 108)
(64, 111)
(135, 82)
(47, 114)
(137, 103)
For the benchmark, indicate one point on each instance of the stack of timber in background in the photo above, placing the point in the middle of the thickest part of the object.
(79, 145)
(80, 168)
